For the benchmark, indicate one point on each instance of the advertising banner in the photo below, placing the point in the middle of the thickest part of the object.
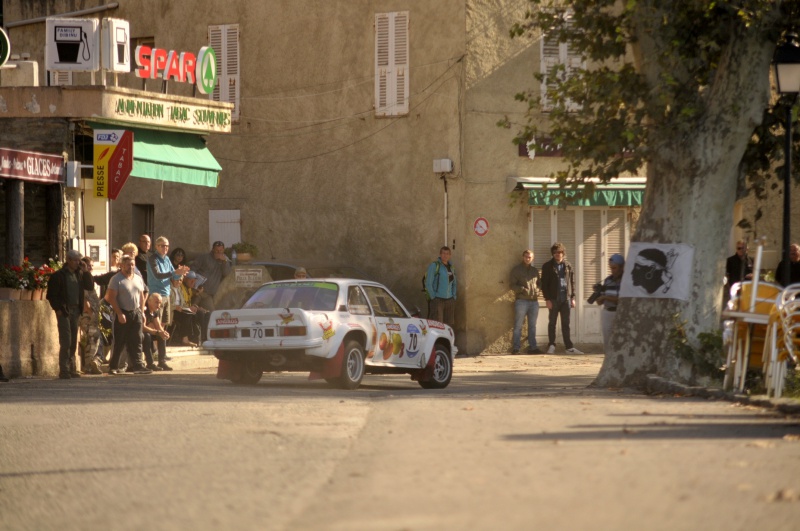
(113, 161)
(31, 166)
(73, 45)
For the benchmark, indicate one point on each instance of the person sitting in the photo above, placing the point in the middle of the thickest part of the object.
(155, 336)
(184, 313)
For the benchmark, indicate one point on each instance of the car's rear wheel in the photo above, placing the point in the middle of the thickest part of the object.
(442, 369)
(352, 366)
(249, 373)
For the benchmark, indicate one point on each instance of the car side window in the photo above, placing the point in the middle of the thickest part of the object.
(356, 301)
(383, 304)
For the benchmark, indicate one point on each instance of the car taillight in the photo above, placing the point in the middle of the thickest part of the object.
(293, 331)
(223, 333)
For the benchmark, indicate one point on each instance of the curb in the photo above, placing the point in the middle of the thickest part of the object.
(658, 385)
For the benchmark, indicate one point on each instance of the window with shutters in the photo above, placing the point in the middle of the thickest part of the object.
(556, 53)
(391, 64)
(224, 39)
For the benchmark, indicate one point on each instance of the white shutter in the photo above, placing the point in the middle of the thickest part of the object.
(542, 239)
(615, 232)
(593, 265)
(59, 78)
(550, 57)
(224, 39)
(224, 226)
(391, 64)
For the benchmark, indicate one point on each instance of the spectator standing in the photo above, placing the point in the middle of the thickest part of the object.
(214, 266)
(65, 293)
(440, 285)
(159, 275)
(142, 253)
(89, 325)
(738, 268)
(126, 295)
(525, 283)
(794, 266)
(610, 296)
(558, 288)
(155, 336)
(177, 257)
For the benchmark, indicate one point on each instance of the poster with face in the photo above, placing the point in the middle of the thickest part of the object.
(658, 271)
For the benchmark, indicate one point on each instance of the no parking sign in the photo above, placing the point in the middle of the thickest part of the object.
(481, 226)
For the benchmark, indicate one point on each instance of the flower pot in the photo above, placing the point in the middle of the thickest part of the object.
(37, 295)
(9, 294)
(244, 257)
(25, 295)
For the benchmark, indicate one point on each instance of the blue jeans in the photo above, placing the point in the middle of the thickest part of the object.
(524, 308)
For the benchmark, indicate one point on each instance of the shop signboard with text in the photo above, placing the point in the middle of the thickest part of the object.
(31, 166)
(113, 161)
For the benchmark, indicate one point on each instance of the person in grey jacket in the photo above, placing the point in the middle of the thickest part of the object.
(214, 266)
(525, 283)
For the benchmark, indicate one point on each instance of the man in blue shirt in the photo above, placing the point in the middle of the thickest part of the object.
(159, 274)
(440, 285)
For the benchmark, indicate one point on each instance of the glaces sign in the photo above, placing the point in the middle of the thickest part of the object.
(186, 67)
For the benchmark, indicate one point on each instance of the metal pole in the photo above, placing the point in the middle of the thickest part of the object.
(787, 204)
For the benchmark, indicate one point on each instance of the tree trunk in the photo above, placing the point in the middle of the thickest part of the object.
(691, 190)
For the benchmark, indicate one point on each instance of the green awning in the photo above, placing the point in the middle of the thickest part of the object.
(177, 157)
(612, 195)
(166, 156)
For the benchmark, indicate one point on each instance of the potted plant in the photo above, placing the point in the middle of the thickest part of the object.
(10, 282)
(244, 251)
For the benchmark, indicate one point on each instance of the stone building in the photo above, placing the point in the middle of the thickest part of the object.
(363, 133)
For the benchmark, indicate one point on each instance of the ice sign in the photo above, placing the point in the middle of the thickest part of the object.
(72, 45)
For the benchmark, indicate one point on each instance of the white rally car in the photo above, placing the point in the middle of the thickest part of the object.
(337, 329)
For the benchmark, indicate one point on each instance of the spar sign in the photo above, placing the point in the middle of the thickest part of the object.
(184, 67)
(113, 161)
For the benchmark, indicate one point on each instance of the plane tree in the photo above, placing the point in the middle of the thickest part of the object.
(681, 90)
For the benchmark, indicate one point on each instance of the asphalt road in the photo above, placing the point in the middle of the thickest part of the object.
(514, 443)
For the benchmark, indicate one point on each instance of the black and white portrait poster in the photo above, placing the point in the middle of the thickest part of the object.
(658, 271)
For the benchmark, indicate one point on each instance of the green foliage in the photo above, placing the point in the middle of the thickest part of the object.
(242, 247)
(649, 81)
(707, 358)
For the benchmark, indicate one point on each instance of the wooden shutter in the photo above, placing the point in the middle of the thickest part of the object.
(391, 64)
(593, 264)
(224, 39)
(551, 56)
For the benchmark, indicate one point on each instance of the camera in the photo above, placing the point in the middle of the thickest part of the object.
(597, 290)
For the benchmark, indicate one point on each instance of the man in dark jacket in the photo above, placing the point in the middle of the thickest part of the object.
(558, 288)
(65, 294)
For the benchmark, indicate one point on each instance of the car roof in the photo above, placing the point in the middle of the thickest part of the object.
(314, 266)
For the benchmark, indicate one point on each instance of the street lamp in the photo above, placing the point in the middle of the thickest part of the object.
(787, 73)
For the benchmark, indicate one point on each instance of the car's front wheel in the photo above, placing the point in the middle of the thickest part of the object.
(352, 366)
(442, 370)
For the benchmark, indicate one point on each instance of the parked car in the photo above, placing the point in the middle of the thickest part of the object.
(337, 329)
(285, 269)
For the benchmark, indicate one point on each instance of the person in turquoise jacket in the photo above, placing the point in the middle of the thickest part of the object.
(440, 286)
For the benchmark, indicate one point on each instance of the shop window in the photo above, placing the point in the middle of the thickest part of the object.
(391, 64)
(224, 39)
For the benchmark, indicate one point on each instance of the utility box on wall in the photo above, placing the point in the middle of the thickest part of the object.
(442, 166)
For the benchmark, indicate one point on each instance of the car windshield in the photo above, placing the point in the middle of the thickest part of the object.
(319, 296)
(336, 272)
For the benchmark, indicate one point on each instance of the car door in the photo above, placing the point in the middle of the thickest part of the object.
(397, 332)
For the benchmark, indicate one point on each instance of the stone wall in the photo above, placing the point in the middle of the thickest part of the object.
(28, 339)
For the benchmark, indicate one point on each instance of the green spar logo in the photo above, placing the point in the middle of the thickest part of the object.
(206, 70)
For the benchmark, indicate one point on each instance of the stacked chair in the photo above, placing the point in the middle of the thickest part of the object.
(783, 339)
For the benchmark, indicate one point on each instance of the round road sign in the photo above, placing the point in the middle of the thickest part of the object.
(481, 226)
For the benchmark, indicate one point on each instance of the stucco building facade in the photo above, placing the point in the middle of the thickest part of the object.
(318, 166)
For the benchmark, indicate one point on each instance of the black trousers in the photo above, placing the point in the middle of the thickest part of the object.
(127, 335)
(151, 343)
(562, 310)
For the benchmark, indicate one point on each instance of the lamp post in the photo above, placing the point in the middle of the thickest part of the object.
(787, 73)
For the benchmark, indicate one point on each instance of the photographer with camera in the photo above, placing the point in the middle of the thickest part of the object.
(607, 294)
